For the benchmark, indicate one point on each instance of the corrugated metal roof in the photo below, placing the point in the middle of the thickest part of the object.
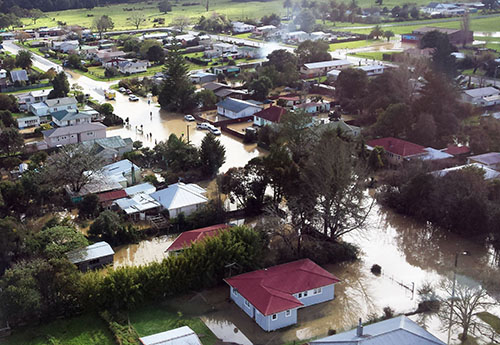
(480, 92)
(94, 251)
(19, 75)
(323, 64)
(178, 336)
(61, 101)
(235, 105)
(397, 331)
(55, 132)
(180, 195)
(146, 187)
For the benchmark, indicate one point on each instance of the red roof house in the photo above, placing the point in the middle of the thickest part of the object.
(272, 295)
(269, 115)
(398, 150)
(186, 239)
(456, 150)
(107, 198)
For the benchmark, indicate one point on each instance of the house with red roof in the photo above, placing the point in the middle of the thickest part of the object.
(187, 238)
(398, 150)
(273, 295)
(456, 150)
(268, 116)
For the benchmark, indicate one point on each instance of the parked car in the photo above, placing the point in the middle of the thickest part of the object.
(204, 125)
(133, 98)
(128, 92)
(215, 131)
(189, 118)
(122, 90)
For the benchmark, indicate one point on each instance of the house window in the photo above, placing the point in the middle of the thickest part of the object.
(247, 304)
(274, 317)
(317, 291)
(305, 293)
(300, 295)
(288, 313)
(235, 292)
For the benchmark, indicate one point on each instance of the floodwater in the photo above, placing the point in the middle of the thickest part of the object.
(143, 252)
(226, 331)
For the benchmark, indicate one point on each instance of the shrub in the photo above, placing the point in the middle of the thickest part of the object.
(376, 269)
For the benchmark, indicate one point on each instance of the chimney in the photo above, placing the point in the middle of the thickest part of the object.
(359, 330)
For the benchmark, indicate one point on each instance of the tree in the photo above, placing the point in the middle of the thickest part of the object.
(388, 34)
(395, 121)
(73, 165)
(12, 237)
(377, 159)
(54, 242)
(351, 86)
(36, 14)
(425, 130)
(102, 24)
(11, 141)
(74, 61)
(89, 206)
(106, 109)
(288, 5)
(306, 20)
(206, 98)
(442, 60)
(61, 86)
(414, 13)
(212, 155)
(490, 5)
(156, 54)
(164, 6)
(309, 51)
(8, 63)
(180, 22)
(137, 19)
(376, 32)
(281, 68)
(260, 87)
(108, 227)
(24, 59)
(9, 103)
(463, 304)
(177, 93)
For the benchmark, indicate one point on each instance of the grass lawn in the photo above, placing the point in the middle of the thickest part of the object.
(352, 45)
(156, 318)
(28, 90)
(370, 55)
(82, 330)
(490, 319)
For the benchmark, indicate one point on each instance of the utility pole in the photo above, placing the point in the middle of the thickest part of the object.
(187, 130)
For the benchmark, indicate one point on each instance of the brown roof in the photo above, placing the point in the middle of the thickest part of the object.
(397, 146)
(273, 113)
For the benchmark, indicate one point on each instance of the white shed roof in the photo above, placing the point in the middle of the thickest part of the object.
(146, 187)
(180, 195)
(138, 203)
(94, 251)
(482, 92)
(178, 336)
(323, 64)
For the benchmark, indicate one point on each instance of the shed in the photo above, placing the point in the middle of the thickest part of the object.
(92, 257)
(178, 336)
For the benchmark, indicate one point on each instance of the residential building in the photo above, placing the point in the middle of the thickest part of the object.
(235, 108)
(313, 107)
(349, 130)
(187, 238)
(273, 295)
(131, 67)
(319, 35)
(138, 206)
(104, 56)
(181, 198)
(372, 70)
(28, 121)
(297, 36)
(246, 52)
(124, 172)
(49, 106)
(265, 30)
(26, 99)
(178, 336)
(397, 150)
(110, 148)
(489, 174)
(399, 330)
(215, 86)
(456, 36)
(269, 116)
(436, 8)
(490, 160)
(483, 96)
(232, 93)
(227, 70)
(317, 69)
(239, 27)
(73, 134)
(95, 256)
(456, 150)
(65, 46)
(434, 154)
(289, 100)
(3, 74)
(63, 118)
(333, 74)
(106, 199)
(223, 48)
(202, 77)
(19, 76)
(145, 187)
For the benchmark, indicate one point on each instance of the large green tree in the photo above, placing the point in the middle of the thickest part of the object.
(24, 59)
(212, 154)
(313, 51)
(102, 24)
(11, 141)
(61, 86)
(177, 93)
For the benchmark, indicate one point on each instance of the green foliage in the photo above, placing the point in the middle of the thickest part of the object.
(74, 61)
(24, 59)
(215, 23)
(281, 68)
(54, 242)
(260, 87)
(108, 227)
(306, 20)
(61, 86)
(11, 141)
(9, 103)
(206, 98)
(442, 60)
(313, 51)
(212, 154)
(125, 334)
(351, 88)
(164, 6)
(396, 121)
(102, 24)
(89, 206)
(106, 109)
(377, 159)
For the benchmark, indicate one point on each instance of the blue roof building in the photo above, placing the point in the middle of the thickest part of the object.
(235, 108)
(397, 331)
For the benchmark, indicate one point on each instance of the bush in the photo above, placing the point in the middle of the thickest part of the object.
(376, 269)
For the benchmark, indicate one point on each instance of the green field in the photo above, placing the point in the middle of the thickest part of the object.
(370, 55)
(353, 44)
(83, 330)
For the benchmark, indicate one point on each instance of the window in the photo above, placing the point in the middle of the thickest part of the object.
(317, 291)
(247, 304)
(235, 292)
(288, 313)
(274, 317)
(305, 293)
(300, 295)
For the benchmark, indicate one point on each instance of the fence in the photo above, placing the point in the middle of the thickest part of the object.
(25, 88)
(410, 287)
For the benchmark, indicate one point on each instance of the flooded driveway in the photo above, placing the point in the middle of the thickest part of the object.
(151, 250)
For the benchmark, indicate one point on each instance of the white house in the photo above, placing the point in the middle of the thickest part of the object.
(65, 46)
(109, 149)
(265, 30)
(28, 121)
(26, 99)
(74, 134)
(49, 106)
(490, 160)
(484, 96)
(372, 70)
(240, 27)
(3, 74)
(298, 36)
(181, 198)
(131, 67)
(64, 118)
(235, 108)
(124, 172)
(222, 48)
(316, 69)
(319, 35)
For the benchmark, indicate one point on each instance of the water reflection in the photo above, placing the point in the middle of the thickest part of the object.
(143, 252)
(226, 331)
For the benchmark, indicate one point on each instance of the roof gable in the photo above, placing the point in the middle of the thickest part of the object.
(273, 113)
(180, 195)
(398, 146)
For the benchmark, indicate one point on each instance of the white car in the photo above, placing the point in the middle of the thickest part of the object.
(122, 90)
(215, 131)
(204, 125)
(133, 98)
(189, 118)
